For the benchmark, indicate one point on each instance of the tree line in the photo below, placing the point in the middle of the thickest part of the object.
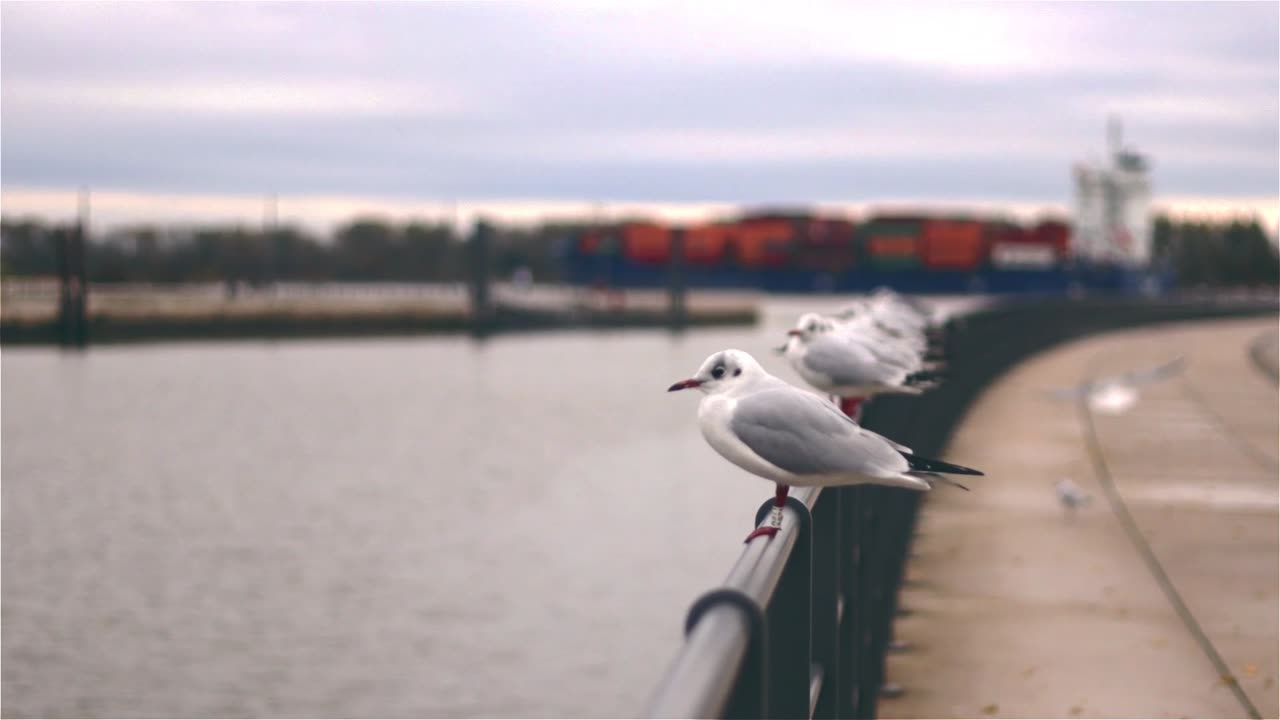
(1215, 254)
(1200, 252)
(364, 250)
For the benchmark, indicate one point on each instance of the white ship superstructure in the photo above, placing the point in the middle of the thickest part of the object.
(1113, 208)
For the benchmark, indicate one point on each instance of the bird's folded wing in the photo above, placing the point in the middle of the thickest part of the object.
(847, 363)
(802, 434)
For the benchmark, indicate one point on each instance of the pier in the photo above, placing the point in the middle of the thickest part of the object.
(803, 625)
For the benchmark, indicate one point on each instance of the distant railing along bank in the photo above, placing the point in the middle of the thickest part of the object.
(29, 309)
(801, 625)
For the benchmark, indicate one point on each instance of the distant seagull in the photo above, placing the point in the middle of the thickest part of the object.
(852, 363)
(1115, 394)
(1071, 495)
(792, 437)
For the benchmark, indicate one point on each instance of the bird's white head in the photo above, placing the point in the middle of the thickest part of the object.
(811, 324)
(721, 372)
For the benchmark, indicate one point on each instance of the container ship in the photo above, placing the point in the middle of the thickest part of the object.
(1104, 247)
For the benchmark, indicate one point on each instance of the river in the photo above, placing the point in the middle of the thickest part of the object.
(373, 528)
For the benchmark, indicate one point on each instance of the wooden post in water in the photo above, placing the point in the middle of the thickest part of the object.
(478, 250)
(677, 313)
(73, 288)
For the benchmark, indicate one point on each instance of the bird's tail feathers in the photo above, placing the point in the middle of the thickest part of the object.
(917, 463)
(932, 477)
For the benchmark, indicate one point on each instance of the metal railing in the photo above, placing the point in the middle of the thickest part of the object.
(801, 625)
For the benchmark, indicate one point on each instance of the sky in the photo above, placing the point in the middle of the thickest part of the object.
(177, 112)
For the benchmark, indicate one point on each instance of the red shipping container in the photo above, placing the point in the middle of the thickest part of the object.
(763, 242)
(894, 245)
(1003, 232)
(952, 244)
(705, 244)
(646, 243)
(1055, 233)
(827, 233)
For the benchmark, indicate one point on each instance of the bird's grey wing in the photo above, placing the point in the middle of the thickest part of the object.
(845, 363)
(1160, 372)
(885, 352)
(797, 432)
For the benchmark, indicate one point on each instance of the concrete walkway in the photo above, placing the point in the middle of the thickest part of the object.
(1024, 611)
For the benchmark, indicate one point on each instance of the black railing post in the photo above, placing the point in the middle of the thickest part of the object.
(790, 622)
(891, 526)
(828, 557)
(850, 596)
(869, 601)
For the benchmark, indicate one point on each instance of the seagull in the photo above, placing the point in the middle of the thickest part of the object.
(847, 364)
(782, 433)
(1071, 495)
(1114, 394)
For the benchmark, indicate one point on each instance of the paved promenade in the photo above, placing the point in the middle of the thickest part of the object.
(1023, 610)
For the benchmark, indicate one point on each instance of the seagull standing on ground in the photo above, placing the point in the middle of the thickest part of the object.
(792, 437)
(1071, 495)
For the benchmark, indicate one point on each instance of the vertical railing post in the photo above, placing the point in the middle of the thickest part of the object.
(828, 557)
(869, 600)
(790, 622)
(850, 595)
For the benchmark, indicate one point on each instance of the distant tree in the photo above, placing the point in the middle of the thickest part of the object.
(364, 247)
(429, 253)
(26, 248)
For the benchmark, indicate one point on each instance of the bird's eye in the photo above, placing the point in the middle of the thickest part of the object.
(717, 372)
(737, 372)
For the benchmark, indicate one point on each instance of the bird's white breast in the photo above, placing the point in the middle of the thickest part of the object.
(714, 414)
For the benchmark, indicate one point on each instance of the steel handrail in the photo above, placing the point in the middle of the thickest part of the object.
(722, 623)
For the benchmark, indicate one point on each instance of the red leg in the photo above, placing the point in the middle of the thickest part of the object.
(852, 406)
(779, 501)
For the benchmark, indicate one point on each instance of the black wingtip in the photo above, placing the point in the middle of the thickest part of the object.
(916, 462)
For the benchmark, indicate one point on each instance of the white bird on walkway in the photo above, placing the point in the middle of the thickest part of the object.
(1071, 495)
(792, 437)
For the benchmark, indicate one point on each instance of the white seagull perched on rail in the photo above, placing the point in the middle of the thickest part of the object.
(792, 437)
(850, 364)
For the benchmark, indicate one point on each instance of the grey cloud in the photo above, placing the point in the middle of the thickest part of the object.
(525, 80)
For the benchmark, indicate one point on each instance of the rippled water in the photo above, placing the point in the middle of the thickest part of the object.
(412, 527)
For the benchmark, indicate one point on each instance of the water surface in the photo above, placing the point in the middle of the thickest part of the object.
(408, 527)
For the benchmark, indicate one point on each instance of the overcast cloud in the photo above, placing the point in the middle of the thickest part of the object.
(661, 103)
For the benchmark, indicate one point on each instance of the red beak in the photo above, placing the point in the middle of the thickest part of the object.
(795, 333)
(684, 385)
